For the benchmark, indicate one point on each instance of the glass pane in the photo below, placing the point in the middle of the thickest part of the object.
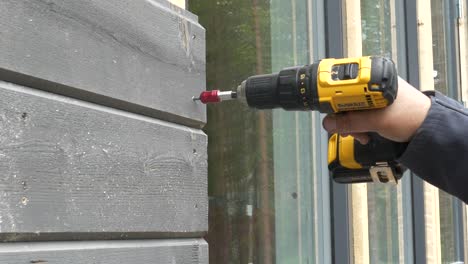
(261, 192)
(439, 46)
(444, 81)
(376, 27)
(385, 201)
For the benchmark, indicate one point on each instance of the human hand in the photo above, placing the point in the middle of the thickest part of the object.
(397, 122)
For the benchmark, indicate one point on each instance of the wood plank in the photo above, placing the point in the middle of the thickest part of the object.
(462, 38)
(189, 251)
(425, 45)
(426, 73)
(432, 223)
(144, 56)
(359, 201)
(68, 166)
(179, 3)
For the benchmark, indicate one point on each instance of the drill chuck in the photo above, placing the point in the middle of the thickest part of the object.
(257, 91)
(290, 89)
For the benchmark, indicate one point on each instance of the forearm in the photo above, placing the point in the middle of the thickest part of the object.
(438, 152)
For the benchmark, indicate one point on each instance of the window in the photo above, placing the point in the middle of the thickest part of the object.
(444, 20)
(389, 207)
(269, 187)
(265, 167)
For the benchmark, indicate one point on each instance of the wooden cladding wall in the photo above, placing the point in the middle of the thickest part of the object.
(190, 251)
(100, 142)
(74, 167)
(145, 56)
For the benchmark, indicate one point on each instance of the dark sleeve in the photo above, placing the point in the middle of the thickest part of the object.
(438, 153)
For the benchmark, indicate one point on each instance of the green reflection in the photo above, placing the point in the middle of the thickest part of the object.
(376, 28)
(385, 229)
(259, 162)
(442, 83)
(241, 211)
(292, 140)
(439, 53)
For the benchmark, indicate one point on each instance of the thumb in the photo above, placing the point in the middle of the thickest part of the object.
(350, 122)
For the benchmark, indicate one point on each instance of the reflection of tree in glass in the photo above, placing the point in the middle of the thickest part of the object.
(239, 142)
(382, 199)
(439, 50)
(376, 31)
(441, 83)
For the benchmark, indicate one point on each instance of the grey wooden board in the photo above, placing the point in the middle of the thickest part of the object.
(144, 56)
(71, 166)
(193, 251)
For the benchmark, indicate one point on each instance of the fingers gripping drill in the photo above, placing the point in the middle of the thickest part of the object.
(332, 86)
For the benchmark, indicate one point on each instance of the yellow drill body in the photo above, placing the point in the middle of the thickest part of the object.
(332, 86)
(351, 94)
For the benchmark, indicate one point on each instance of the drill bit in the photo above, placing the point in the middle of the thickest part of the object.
(215, 96)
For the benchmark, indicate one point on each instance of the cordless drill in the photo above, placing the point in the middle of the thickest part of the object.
(332, 86)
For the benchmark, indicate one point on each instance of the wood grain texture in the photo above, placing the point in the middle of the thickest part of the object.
(68, 166)
(359, 204)
(144, 56)
(188, 251)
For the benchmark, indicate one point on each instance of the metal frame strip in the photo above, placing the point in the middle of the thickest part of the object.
(417, 184)
(339, 194)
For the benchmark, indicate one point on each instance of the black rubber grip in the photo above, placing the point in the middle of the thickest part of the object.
(261, 91)
(290, 89)
(378, 149)
(384, 78)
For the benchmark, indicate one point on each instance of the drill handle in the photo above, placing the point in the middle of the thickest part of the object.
(378, 149)
(351, 162)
